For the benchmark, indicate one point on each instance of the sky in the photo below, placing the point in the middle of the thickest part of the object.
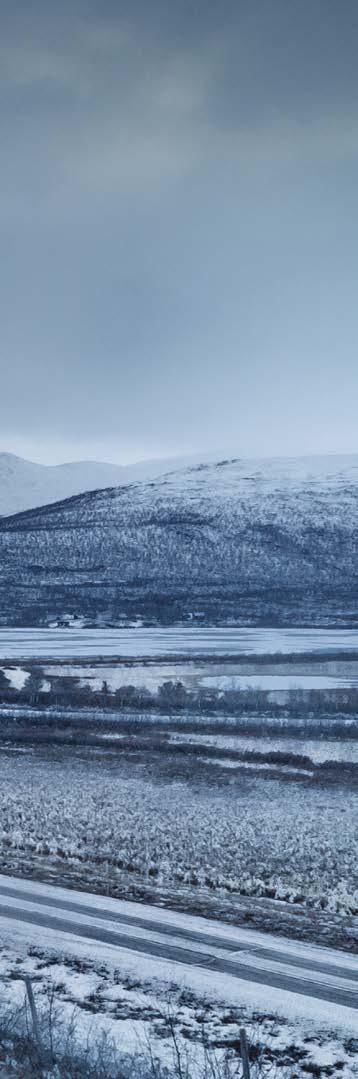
(179, 227)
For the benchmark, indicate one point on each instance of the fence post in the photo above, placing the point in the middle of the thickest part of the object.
(244, 1054)
(35, 1018)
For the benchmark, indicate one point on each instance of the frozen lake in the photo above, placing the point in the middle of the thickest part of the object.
(189, 642)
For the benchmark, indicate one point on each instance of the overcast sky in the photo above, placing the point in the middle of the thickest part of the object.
(179, 227)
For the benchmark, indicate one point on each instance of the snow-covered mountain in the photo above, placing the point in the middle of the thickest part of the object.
(25, 484)
(270, 541)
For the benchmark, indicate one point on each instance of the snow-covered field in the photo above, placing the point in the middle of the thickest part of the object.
(70, 643)
(99, 818)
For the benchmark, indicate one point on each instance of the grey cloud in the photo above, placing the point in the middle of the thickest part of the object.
(103, 103)
(178, 225)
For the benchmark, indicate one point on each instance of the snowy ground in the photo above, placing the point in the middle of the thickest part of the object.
(139, 1000)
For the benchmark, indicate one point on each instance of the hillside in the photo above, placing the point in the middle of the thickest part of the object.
(26, 485)
(248, 541)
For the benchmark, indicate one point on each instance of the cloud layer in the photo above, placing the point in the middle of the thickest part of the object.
(179, 236)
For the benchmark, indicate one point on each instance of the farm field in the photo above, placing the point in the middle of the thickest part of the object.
(116, 818)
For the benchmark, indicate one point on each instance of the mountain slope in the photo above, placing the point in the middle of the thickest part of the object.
(247, 541)
(25, 484)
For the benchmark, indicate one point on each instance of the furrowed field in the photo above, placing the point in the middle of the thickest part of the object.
(257, 837)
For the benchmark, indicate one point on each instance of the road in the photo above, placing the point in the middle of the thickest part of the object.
(309, 970)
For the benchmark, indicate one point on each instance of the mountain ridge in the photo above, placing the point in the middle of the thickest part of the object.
(26, 484)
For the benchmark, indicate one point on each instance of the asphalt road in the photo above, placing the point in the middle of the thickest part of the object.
(308, 970)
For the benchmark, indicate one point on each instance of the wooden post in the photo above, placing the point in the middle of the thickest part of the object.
(34, 1017)
(244, 1054)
